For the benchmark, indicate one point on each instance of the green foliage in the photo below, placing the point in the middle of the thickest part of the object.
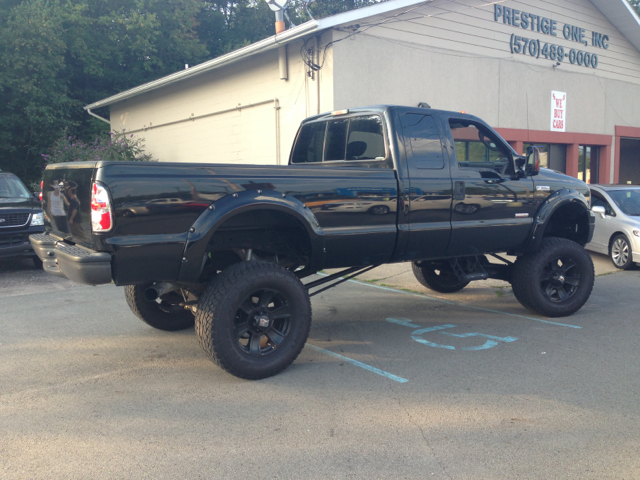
(58, 55)
(117, 146)
(636, 5)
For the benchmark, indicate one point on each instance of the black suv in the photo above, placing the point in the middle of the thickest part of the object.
(20, 216)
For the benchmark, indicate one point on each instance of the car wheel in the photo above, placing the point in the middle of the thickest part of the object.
(36, 262)
(438, 276)
(165, 313)
(379, 210)
(254, 319)
(620, 252)
(555, 281)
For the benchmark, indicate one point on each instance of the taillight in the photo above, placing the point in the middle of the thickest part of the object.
(101, 216)
(41, 189)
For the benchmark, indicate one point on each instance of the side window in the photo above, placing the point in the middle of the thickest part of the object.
(599, 200)
(336, 140)
(366, 140)
(422, 141)
(309, 144)
(477, 148)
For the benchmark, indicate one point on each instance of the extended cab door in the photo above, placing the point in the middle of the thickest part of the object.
(427, 201)
(492, 208)
(355, 195)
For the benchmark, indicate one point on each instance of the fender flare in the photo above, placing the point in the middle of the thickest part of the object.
(558, 199)
(234, 204)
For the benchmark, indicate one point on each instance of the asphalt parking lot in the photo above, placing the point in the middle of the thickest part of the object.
(392, 384)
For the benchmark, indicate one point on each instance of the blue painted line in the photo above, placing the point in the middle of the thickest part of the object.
(360, 364)
(466, 335)
(416, 335)
(435, 299)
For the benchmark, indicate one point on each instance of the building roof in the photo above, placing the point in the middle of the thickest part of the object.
(618, 12)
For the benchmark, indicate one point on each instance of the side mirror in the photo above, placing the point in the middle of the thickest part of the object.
(598, 209)
(533, 161)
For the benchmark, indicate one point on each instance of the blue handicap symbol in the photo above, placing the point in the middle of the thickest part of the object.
(491, 342)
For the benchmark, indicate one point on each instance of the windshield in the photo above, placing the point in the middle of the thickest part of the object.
(12, 187)
(627, 200)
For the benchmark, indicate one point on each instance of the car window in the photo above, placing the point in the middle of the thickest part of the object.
(366, 140)
(598, 200)
(336, 145)
(12, 187)
(309, 144)
(627, 200)
(357, 138)
(477, 148)
(422, 141)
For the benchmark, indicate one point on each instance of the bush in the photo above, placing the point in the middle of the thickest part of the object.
(118, 146)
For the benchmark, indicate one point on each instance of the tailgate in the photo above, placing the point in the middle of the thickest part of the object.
(66, 200)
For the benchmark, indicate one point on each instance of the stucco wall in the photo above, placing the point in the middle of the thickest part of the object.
(245, 135)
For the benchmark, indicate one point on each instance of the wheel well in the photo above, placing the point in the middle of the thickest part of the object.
(570, 221)
(271, 235)
(614, 235)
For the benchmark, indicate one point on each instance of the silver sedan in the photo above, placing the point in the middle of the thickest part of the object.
(617, 230)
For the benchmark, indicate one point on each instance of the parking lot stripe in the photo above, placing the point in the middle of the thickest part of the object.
(435, 299)
(360, 364)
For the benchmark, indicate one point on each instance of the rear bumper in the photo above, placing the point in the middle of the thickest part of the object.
(78, 264)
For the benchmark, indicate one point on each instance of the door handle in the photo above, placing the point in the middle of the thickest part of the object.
(458, 191)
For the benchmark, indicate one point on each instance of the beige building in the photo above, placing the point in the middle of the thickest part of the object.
(561, 75)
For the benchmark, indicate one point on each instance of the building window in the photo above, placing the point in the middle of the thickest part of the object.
(588, 163)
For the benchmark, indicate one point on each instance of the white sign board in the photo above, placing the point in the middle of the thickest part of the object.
(558, 111)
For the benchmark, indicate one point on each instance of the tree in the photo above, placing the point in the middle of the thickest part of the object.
(636, 5)
(34, 104)
(58, 55)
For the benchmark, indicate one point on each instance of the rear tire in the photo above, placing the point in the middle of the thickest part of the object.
(253, 320)
(438, 276)
(620, 252)
(164, 314)
(556, 281)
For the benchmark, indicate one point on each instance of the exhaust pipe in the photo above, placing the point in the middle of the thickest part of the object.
(155, 291)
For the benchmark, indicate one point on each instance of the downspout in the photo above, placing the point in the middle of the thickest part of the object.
(318, 43)
(97, 116)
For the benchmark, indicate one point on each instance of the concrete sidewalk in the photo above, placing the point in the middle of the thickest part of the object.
(400, 275)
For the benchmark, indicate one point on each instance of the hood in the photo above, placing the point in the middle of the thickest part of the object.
(557, 181)
(19, 202)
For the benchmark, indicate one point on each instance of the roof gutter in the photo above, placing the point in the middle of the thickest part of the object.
(263, 45)
(97, 116)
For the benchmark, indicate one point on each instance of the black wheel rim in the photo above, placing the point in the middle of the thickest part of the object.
(444, 274)
(262, 322)
(560, 279)
(170, 303)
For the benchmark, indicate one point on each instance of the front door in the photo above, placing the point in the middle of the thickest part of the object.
(492, 209)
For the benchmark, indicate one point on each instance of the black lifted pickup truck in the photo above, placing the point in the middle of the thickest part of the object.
(227, 246)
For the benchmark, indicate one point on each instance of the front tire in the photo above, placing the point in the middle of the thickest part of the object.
(163, 314)
(620, 252)
(556, 281)
(253, 320)
(438, 276)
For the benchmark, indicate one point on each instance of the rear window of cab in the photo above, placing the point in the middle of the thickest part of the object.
(340, 139)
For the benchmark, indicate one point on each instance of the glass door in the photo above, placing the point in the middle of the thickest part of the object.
(588, 162)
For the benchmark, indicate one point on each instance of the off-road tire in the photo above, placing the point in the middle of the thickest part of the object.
(446, 281)
(166, 315)
(230, 311)
(555, 281)
(620, 252)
